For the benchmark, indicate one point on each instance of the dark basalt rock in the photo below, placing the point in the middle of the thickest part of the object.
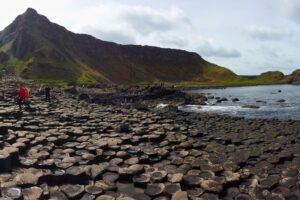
(251, 106)
(87, 196)
(171, 189)
(123, 128)
(105, 197)
(110, 177)
(162, 155)
(73, 191)
(235, 99)
(12, 193)
(281, 101)
(32, 193)
(154, 190)
(211, 186)
(141, 180)
(84, 97)
(191, 180)
(269, 182)
(93, 189)
(57, 195)
(180, 195)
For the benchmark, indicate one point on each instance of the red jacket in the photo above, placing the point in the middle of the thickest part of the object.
(23, 93)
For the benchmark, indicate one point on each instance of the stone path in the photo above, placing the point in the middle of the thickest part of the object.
(74, 150)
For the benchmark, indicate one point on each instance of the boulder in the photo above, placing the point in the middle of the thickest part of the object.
(251, 106)
(84, 97)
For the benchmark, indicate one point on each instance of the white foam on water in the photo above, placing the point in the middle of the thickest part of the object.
(161, 106)
(231, 109)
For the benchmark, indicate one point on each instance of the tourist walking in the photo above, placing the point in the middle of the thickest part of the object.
(47, 93)
(23, 97)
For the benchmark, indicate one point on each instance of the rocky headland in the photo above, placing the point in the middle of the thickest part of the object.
(109, 143)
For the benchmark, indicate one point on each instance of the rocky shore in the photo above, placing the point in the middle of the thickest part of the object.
(80, 148)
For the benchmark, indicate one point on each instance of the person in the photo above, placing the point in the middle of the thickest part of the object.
(23, 97)
(41, 91)
(47, 93)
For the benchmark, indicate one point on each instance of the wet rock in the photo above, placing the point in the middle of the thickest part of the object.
(76, 174)
(231, 177)
(128, 173)
(27, 179)
(288, 182)
(84, 97)
(94, 171)
(154, 190)
(209, 196)
(5, 161)
(281, 101)
(269, 181)
(123, 128)
(106, 185)
(235, 99)
(243, 197)
(125, 198)
(158, 176)
(171, 189)
(87, 196)
(195, 192)
(251, 106)
(191, 180)
(211, 186)
(180, 195)
(105, 197)
(57, 195)
(73, 191)
(33, 193)
(141, 180)
(93, 190)
(12, 193)
(140, 106)
(175, 178)
(110, 177)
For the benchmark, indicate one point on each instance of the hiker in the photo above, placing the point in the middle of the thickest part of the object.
(23, 97)
(47, 93)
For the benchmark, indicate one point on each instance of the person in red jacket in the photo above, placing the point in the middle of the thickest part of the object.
(23, 97)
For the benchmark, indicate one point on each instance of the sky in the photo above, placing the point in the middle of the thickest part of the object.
(247, 36)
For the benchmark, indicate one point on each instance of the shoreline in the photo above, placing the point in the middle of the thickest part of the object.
(231, 86)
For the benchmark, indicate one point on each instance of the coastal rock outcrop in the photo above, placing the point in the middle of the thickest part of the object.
(70, 149)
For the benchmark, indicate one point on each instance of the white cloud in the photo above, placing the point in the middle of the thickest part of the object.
(266, 33)
(168, 27)
(291, 8)
(210, 49)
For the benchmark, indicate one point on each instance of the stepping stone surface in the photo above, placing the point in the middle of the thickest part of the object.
(71, 149)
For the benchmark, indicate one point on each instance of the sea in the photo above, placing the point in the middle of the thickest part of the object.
(271, 101)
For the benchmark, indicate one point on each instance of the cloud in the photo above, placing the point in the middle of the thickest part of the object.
(136, 24)
(266, 33)
(111, 35)
(295, 11)
(293, 8)
(147, 20)
(290, 8)
(210, 49)
(168, 27)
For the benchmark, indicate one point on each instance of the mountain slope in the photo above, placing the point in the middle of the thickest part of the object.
(35, 48)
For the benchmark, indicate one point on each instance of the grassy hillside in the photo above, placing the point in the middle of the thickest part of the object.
(267, 78)
(35, 48)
